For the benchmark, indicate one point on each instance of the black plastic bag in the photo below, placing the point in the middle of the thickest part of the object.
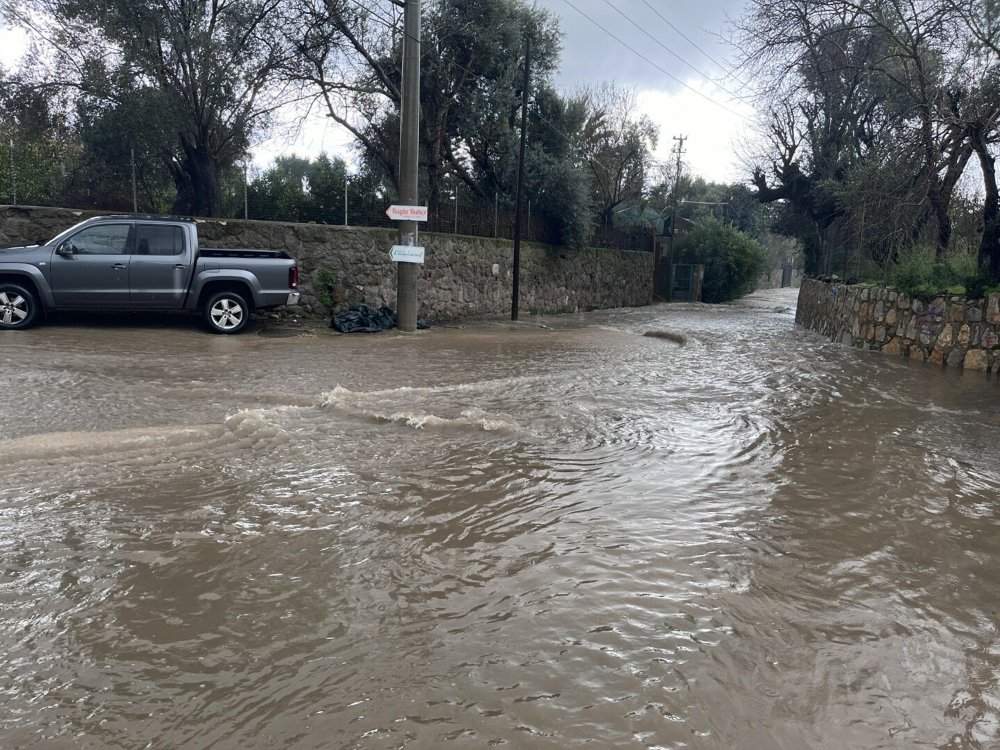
(364, 319)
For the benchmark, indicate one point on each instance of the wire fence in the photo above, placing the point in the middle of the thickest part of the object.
(346, 203)
(460, 213)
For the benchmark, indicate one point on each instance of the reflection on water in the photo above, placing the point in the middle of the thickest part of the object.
(498, 535)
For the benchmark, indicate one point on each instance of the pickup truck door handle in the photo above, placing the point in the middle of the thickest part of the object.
(119, 266)
(180, 267)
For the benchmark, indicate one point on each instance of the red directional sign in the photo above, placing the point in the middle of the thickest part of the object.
(407, 213)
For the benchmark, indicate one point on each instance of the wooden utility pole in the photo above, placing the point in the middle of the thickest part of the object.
(516, 291)
(409, 144)
(679, 150)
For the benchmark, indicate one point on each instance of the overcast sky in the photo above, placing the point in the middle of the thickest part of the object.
(591, 51)
(632, 43)
(675, 69)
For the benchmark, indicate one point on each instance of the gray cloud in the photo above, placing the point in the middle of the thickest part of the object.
(592, 55)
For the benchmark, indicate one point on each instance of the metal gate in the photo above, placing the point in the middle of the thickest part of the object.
(682, 286)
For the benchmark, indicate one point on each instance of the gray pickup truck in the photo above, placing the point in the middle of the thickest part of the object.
(142, 263)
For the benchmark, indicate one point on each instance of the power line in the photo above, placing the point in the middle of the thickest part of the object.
(662, 70)
(667, 49)
(690, 41)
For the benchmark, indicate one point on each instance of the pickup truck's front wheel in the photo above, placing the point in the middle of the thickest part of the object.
(18, 307)
(226, 312)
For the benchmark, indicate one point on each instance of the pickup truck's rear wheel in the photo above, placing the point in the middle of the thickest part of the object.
(18, 307)
(226, 312)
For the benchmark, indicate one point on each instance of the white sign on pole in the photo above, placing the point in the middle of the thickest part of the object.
(407, 213)
(407, 254)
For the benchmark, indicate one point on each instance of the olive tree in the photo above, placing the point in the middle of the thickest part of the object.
(206, 75)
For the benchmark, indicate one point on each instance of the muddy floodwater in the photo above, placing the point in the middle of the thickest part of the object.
(555, 534)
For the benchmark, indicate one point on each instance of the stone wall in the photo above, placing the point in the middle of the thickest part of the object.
(463, 278)
(948, 331)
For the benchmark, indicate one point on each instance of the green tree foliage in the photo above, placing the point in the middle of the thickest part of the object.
(119, 140)
(301, 190)
(733, 262)
(734, 204)
(471, 75)
(557, 183)
(202, 75)
(35, 144)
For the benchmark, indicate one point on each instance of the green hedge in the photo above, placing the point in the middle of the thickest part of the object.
(733, 261)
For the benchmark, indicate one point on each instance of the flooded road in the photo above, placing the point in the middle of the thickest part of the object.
(500, 535)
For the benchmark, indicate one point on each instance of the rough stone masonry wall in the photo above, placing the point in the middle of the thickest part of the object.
(949, 331)
(463, 278)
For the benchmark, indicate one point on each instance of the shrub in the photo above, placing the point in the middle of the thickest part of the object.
(921, 275)
(733, 261)
(913, 270)
(325, 282)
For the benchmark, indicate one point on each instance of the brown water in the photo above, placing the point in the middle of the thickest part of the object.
(517, 536)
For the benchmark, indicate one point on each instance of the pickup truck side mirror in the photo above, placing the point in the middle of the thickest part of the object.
(66, 249)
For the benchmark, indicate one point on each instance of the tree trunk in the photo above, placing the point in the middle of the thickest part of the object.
(989, 248)
(943, 225)
(197, 180)
(943, 190)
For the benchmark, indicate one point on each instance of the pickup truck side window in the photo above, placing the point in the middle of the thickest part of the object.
(104, 239)
(153, 239)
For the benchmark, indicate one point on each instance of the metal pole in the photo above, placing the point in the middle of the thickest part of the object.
(246, 191)
(496, 213)
(345, 197)
(13, 173)
(135, 194)
(406, 273)
(456, 211)
(516, 291)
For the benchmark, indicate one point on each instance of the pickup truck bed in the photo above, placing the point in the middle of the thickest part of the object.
(219, 252)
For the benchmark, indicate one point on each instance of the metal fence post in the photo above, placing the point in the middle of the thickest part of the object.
(135, 192)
